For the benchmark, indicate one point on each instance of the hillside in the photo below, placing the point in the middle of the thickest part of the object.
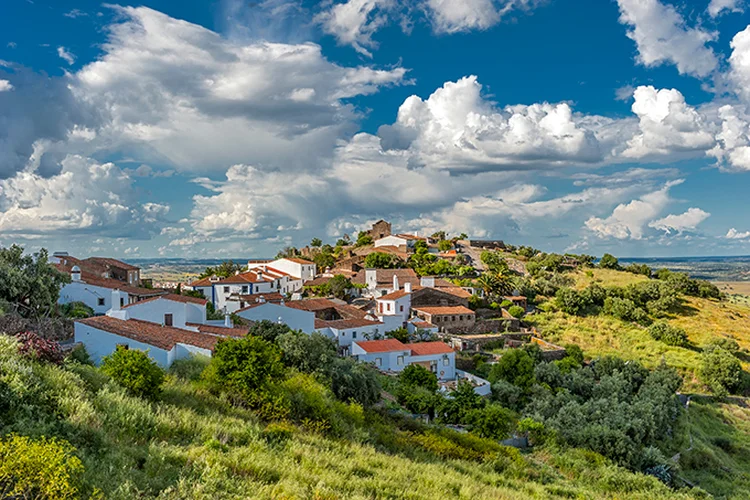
(190, 444)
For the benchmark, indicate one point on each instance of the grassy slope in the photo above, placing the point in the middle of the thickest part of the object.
(725, 474)
(193, 445)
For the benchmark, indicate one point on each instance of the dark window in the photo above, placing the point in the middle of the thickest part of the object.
(100, 301)
(122, 301)
(167, 320)
(453, 318)
(226, 289)
(244, 289)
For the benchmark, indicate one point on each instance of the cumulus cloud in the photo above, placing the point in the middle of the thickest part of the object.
(732, 150)
(667, 125)
(739, 62)
(719, 7)
(628, 220)
(177, 92)
(66, 55)
(452, 16)
(355, 21)
(85, 197)
(680, 223)
(733, 234)
(662, 36)
(456, 127)
(5, 86)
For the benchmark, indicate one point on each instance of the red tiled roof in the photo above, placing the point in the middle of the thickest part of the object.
(95, 280)
(297, 260)
(385, 345)
(422, 324)
(162, 337)
(312, 304)
(221, 331)
(174, 298)
(440, 310)
(427, 348)
(394, 295)
(385, 277)
(107, 261)
(410, 236)
(514, 297)
(203, 282)
(246, 277)
(274, 297)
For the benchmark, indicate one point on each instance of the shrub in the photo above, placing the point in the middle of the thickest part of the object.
(670, 335)
(569, 301)
(625, 309)
(80, 355)
(536, 431)
(268, 330)
(244, 366)
(400, 334)
(418, 376)
(353, 381)
(277, 433)
(307, 353)
(574, 351)
(493, 421)
(135, 371)
(42, 468)
(609, 261)
(76, 310)
(720, 370)
(504, 304)
(33, 346)
(190, 368)
(516, 311)
(516, 367)
(725, 343)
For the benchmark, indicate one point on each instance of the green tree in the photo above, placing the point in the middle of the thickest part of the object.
(494, 261)
(268, 330)
(609, 261)
(76, 310)
(720, 370)
(439, 235)
(135, 371)
(418, 376)
(401, 334)
(363, 239)
(339, 286)
(444, 245)
(462, 402)
(353, 381)
(516, 311)
(382, 260)
(314, 353)
(324, 260)
(316, 242)
(569, 301)
(516, 367)
(29, 282)
(670, 335)
(493, 421)
(245, 366)
(224, 270)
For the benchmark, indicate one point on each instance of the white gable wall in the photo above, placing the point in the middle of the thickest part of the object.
(100, 343)
(78, 291)
(154, 311)
(294, 318)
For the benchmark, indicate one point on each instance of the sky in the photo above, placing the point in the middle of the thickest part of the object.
(231, 128)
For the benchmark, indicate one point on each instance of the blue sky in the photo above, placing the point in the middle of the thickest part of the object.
(231, 128)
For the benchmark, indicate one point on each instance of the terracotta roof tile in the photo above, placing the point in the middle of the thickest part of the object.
(174, 298)
(297, 260)
(221, 331)
(441, 310)
(394, 295)
(385, 345)
(427, 348)
(108, 261)
(112, 284)
(162, 337)
(345, 324)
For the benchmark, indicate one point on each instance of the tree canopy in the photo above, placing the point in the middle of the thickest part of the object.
(29, 282)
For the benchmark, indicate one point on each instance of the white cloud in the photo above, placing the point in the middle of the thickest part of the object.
(662, 36)
(66, 56)
(176, 92)
(85, 197)
(733, 234)
(74, 13)
(452, 16)
(628, 219)
(732, 150)
(355, 21)
(457, 128)
(687, 221)
(5, 86)
(667, 125)
(739, 62)
(719, 7)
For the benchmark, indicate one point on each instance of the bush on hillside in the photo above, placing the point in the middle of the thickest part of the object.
(353, 381)
(516, 311)
(569, 301)
(33, 346)
(418, 376)
(38, 468)
(720, 370)
(516, 367)
(462, 402)
(670, 335)
(244, 366)
(642, 269)
(609, 261)
(574, 351)
(626, 310)
(725, 343)
(135, 371)
(190, 368)
(307, 353)
(493, 421)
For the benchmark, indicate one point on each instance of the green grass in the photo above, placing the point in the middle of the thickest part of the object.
(191, 444)
(605, 277)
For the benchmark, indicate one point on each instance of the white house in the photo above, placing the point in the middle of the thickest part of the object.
(346, 331)
(96, 292)
(394, 308)
(298, 268)
(295, 319)
(383, 281)
(391, 355)
(169, 327)
(398, 240)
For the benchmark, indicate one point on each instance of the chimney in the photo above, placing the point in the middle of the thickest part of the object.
(261, 300)
(227, 320)
(116, 295)
(75, 273)
(395, 282)
(427, 281)
(371, 278)
(407, 287)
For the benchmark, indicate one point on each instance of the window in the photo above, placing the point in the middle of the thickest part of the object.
(381, 307)
(460, 318)
(400, 361)
(226, 289)
(446, 361)
(378, 361)
(389, 306)
(167, 320)
(122, 301)
(402, 308)
(244, 289)
(100, 301)
(453, 318)
(354, 335)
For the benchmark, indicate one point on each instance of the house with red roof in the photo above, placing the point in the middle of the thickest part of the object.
(391, 355)
(301, 269)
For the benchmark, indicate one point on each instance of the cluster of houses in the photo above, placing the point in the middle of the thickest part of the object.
(172, 327)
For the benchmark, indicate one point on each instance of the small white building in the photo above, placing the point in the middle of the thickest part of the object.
(394, 308)
(391, 355)
(298, 268)
(380, 282)
(399, 240)
(96, 292)
(169, 310)
(295, 319)
(346, 331)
